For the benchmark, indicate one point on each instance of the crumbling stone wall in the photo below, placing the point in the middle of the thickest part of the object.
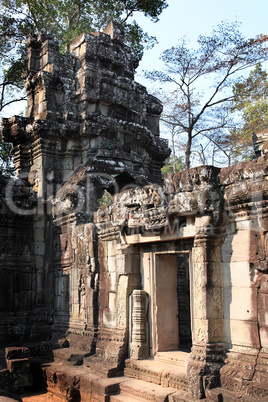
(89, 126)
(22, 317)
(224, 211)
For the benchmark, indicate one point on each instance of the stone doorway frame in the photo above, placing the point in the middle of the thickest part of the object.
(149, 266)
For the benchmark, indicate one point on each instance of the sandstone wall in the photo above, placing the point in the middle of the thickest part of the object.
(98, 276)
(244, 275)
(24, 314)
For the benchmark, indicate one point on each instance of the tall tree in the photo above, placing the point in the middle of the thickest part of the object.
(213, 66)
(251, 101)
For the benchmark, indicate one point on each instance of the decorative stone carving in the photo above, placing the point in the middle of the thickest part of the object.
(68, 265)
(259, 141)
(139, 345)
(82, 298)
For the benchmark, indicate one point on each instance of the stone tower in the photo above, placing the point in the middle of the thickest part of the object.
(89, 127)
(85, 111)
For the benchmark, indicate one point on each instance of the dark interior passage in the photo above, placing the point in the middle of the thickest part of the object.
(184, 307)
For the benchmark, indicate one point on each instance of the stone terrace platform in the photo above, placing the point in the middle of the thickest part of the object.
(144, 380)
(158, 380)
(74, 376)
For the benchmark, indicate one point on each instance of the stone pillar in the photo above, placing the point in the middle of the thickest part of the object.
(207, 355)
(139, 345)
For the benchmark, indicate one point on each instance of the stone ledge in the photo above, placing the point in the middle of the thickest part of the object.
(145, 391)
(106, 369)
(70, 381)
(12, 353)
(221, 394)
(6, 396)
(160, 373)
(72, 355)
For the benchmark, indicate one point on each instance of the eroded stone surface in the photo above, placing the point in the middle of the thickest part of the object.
(69, 268)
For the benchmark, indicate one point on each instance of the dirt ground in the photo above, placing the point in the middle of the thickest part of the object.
(44, 397)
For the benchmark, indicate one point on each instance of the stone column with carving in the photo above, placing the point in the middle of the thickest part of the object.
(139, 345)
(208, 350)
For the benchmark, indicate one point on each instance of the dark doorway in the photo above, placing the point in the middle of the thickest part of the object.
(184, 307)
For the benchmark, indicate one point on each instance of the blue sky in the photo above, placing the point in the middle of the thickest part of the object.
(196, 18)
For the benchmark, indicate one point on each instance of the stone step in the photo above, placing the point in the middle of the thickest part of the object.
(125, 398)
(79, 383)
(106, 369)
(222, 394)
(72, 355)
(157, 372)
(82, 383)
(172, 357)
(182, 396)
(6, 396)
(139, 390)
(13, 353)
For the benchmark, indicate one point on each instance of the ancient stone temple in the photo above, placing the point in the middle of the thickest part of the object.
(162, 293)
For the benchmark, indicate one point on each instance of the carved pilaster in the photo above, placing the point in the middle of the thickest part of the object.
(139, 346)
(208, 351)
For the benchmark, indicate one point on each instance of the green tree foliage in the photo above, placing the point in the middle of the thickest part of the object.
(65, 20)
(251, 100)
(6, 163)
(106, 199)
(213, 66)
(173, 164)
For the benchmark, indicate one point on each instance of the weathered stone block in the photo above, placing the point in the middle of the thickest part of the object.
(112, 264)
(242, 333)
(264, 283)
(113, 281)
(112, 302)
(240, 247)
(214, 308)
(16, 353)
(216, 332)
(264, 336)
(213, 274)
(18, 365)
(132, 264)
(109, 319)
(104, 298)
(201, 332)
(263, 309)
(75, 310)
(200, 306)
(240, 303)
(263, 301)
(112, 248)
(237, 274)
(104, 387)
